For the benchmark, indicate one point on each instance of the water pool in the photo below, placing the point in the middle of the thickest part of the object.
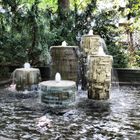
(115, 119)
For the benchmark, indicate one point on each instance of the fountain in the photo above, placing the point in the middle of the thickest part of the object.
(99, 76)
(98, 68)
(58, 93)
(64, 61)
(90, 43)
(26, 78)
(117, 118)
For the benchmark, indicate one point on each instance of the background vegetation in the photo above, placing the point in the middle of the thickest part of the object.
(29, 27)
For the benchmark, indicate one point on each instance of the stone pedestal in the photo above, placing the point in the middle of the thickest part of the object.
(99, 76)
(58, 94)
(64, 61)
(98, 68)
(90, 44)
(27, 79)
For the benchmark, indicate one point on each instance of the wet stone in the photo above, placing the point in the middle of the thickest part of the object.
(99, 77)
(90, 44)
(64, 61)
(98, 67)
(58, 94)
(26, 78)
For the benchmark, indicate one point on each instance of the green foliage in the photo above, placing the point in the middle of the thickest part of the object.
(74, 25)
(4, 72)
(120, 59)
(23, 36)
(138, 58)
(133, 8)
(134, 59)
(29, 28)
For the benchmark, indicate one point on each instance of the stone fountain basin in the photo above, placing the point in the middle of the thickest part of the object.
(58, 94)
(26, 77)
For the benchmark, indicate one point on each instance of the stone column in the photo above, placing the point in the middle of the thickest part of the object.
(99, 77)
(90, 44)
(99, 67)
(65, 61)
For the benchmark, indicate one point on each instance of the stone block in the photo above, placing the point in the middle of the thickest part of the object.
(64, 61)
(58, 94)
(99, 76)
(26, 79)
(90, 44)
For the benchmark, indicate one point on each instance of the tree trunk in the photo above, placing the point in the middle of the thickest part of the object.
(63, 4)
(63, 8)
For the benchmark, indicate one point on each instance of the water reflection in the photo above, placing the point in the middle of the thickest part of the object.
(117, 118)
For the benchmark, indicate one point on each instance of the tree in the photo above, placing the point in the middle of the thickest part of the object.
(20, 38)
(132, 13)
(29, 28)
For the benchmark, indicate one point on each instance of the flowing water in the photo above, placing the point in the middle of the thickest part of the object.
(23, 117)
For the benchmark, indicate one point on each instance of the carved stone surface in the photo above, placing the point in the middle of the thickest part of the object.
(98, 68)
(99, 76)
(64, 61)
(90, 44)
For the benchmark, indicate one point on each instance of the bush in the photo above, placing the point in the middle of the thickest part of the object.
(120, 59)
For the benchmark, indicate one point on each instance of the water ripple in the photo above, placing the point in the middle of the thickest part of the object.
(117, 118)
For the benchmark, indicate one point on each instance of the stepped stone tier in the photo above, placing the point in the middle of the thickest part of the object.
(99, 65)
(26, 78)
(90, 44)
(64, 61)
(58, 94)
(99, 76)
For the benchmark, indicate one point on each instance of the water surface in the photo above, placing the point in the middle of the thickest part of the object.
(115, 119)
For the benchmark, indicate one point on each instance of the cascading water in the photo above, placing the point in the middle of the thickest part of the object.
(26, 79)
(101, 51)
(90, 32)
